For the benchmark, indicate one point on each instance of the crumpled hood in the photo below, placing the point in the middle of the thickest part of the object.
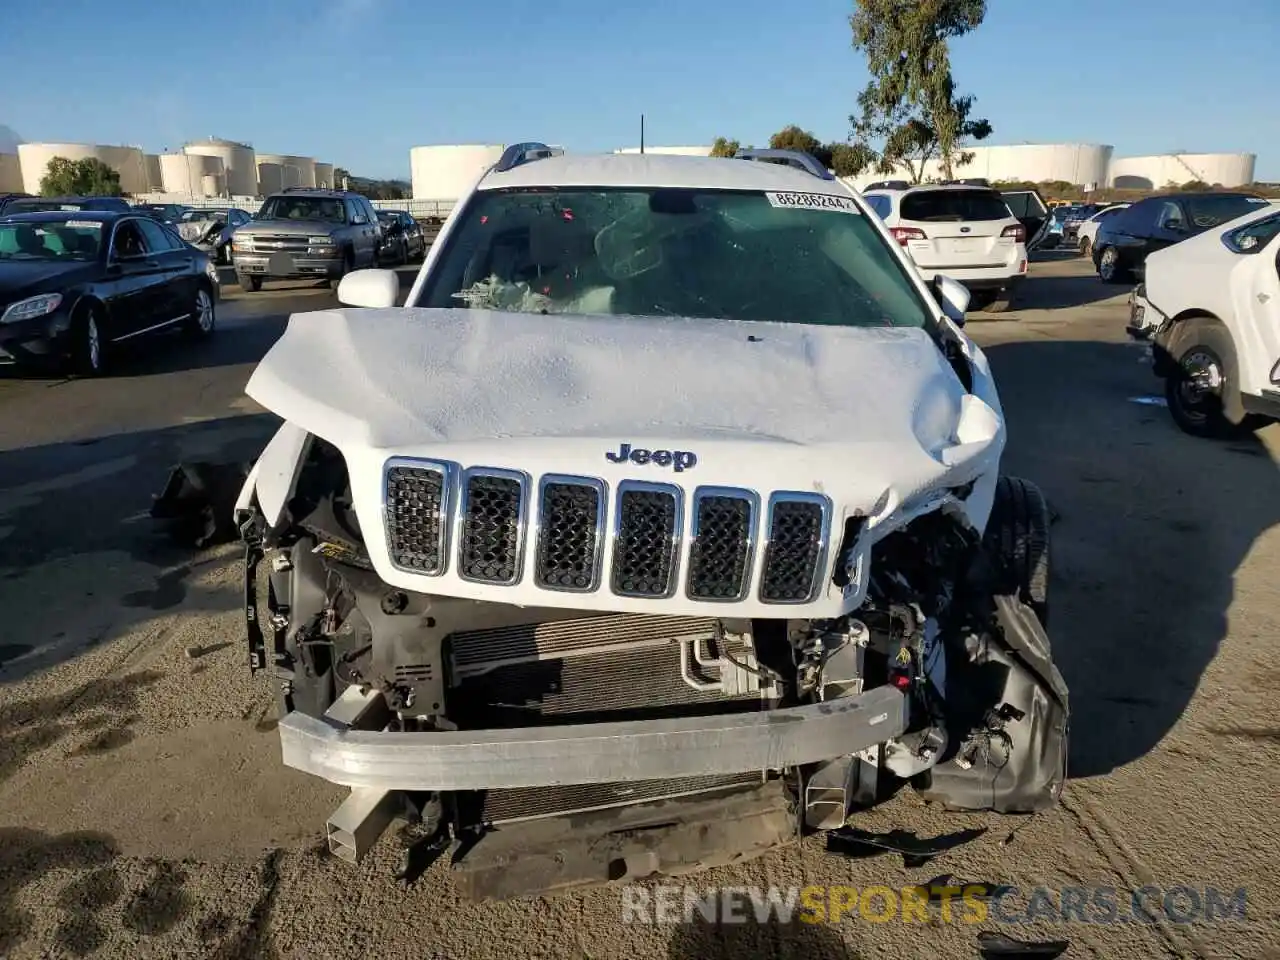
(875, 419)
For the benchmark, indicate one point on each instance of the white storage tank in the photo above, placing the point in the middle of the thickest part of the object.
(10, 173)
(126, 161)
(239, 163)
(1075, 163)
(324, 176)
(270, 177)
(155, 178)
(189, 174)
(1157, 172)
(292, 171)
(444, 172)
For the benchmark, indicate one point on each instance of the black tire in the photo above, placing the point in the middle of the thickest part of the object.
(980, 300)
(1085, 247)
(249, 284)
(88, 343)
(1110, 267)
(1017, 544)
(1202, 350)
(1002, 303)
(204, 316)
(348, 265)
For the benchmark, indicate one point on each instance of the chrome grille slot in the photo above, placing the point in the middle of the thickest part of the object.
(570, 533)
(416, 512)
(795, 554)
(647, 539)
(491, 526)
(724, 523)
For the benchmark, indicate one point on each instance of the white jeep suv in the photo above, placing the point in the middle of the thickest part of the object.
(661, 526)
(965, 232)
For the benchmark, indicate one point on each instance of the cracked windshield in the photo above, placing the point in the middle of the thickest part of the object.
(626, 482)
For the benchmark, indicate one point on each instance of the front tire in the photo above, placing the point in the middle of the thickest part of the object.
(1086, 248)
(1110, 269)
(1001, 303)
(1017, 544)
(88, 344)
(203, 317)
(1199, 389)
(248, 283)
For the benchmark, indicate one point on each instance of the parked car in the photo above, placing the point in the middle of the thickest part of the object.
(170, 213)
(210, 229)
(402, 239)
(1084, 233)
(38, 204)
(74, 283)
(698, 480)
(8, 198)
(1210, 306)
(302, 234)
(968, 233)
(1125, 240)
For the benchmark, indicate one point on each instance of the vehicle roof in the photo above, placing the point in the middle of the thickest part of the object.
(652, 170)
(313, 192)
(1185, 194)
(927, 187)
(42, 216)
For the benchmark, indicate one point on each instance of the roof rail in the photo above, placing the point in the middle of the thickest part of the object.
(792, 158)
(521, 153)
(888, 185)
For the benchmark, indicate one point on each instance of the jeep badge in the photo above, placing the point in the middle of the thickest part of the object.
(681, 460)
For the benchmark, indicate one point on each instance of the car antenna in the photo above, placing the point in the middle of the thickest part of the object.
(642, 133)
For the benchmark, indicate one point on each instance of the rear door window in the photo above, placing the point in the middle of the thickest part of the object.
(941, 206)
(881, 204)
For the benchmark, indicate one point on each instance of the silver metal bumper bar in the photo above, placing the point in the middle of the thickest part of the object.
(591, 753)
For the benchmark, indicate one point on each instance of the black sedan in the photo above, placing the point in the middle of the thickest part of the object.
(1124, 240)
(402, 237)
(73, 284)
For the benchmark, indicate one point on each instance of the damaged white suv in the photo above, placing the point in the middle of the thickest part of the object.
(650, 534)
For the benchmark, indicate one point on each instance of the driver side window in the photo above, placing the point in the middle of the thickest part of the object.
(128, 240)
(1170, 217)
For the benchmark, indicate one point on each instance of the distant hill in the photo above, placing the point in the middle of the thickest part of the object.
(9, 139)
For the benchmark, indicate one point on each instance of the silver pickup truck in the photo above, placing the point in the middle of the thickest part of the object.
(304, 234)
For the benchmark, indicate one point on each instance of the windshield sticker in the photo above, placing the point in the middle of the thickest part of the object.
(83, 224)
(68, 206)
(813, 201)
(1258, 200)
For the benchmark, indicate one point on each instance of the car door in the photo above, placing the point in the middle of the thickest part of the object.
(1129, 231)
(1030, 210)
(174, 283)
(1255, 300)
(134, 277)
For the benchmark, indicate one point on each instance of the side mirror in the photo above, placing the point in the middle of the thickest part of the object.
(359, 220)
(369, 288)
(953, 297)
(1175, 226)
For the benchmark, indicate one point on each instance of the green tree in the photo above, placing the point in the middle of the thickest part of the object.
(910, 106)
(791, 137)
(850, 159)
(89, 177)
(724, 148)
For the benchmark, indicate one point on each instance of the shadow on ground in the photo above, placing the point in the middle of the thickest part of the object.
(1153, 525)
(702, 940)
(1054, 292)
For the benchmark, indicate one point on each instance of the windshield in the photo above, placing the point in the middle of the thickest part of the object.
(193, 216)
(303, 208)
(954, 205)
(1215, 209)
(789, 258)
(54, 240)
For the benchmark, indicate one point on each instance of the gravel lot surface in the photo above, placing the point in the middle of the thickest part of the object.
(144, 811)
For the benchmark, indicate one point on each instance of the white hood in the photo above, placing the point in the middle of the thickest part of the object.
(873, 417)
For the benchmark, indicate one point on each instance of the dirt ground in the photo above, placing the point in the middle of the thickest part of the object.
(144, 811)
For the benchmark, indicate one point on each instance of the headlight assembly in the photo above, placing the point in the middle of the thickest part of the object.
(37, 306)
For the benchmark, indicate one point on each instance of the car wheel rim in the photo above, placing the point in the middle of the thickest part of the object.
(93, 344)
(1108, 262)
(1200, 385)
(204, 311)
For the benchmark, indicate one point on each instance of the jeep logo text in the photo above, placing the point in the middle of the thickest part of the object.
(681, 460)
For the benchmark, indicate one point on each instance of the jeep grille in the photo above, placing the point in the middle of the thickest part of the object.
(573, 516)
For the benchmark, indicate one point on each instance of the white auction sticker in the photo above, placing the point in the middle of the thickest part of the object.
(813, 201)
(83, 224)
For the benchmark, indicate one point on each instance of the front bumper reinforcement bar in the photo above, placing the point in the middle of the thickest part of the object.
(591, 753)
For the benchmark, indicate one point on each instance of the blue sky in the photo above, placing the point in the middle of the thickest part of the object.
(358, 82)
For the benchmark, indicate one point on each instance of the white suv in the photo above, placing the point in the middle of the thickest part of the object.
(662, 525)
(965, 232)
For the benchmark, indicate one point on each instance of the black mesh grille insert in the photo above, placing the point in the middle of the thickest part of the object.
(720, 553)
(568, 536)
(642, 562)
(415, 497)
(490, 537)
(795, 545)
